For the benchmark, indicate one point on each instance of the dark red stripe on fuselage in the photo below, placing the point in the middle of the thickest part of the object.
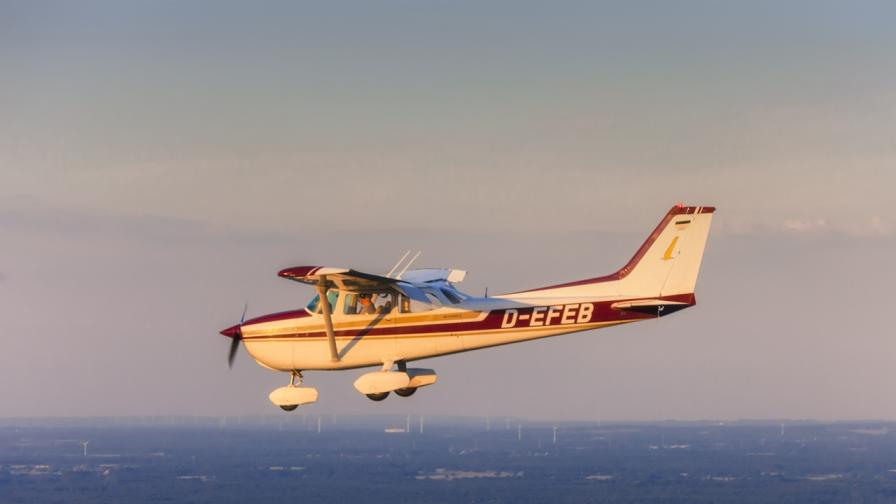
(602, 312)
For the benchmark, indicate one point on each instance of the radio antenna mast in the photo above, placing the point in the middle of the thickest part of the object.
(408, 265)
(389, 274)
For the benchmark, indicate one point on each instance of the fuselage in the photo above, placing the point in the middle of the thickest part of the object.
(297, 340)
(360, 319)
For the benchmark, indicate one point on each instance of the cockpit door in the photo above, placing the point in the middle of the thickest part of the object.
(366, 322)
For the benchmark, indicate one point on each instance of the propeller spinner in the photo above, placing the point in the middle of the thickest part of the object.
(235, 332)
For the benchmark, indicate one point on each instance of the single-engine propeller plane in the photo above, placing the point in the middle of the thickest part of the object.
(360, 319)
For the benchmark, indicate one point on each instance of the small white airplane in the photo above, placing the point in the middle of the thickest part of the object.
(405, 315)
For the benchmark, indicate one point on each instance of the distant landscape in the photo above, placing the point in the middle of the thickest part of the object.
(312, 458)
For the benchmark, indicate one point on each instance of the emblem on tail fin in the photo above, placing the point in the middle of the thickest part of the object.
(668, 254)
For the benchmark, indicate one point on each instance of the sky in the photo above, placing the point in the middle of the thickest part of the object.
(160, 161)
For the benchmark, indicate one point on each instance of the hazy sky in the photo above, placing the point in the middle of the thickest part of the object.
(161, 161)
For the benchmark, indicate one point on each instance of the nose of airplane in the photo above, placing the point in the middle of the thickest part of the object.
(232, 331)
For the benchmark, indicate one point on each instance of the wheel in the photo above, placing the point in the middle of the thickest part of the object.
(406, 392)
(289, 407)
(378, 397)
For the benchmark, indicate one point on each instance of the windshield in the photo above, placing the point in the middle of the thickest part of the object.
(313, 306)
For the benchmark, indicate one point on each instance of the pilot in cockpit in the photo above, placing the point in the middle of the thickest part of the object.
(366, 304)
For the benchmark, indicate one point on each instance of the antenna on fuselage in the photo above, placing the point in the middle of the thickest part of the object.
(408, 265)
(389, 274)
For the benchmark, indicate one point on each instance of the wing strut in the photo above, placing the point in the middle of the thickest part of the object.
(328, 317)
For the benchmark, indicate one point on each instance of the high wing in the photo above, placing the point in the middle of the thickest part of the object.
(351, 280)
(433, 275)
(325, 278)
(341, 278)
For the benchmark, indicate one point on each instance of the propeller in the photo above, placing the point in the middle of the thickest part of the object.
(236, 333)
(234, 346)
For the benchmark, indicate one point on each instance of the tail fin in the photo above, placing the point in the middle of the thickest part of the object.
(671, 263)
(666, 264)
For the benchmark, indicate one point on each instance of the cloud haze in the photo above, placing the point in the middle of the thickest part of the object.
(160, 161)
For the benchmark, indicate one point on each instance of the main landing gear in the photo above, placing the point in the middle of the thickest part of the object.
(376, 385)
(377, 397)
(404, 382)
(402, 392)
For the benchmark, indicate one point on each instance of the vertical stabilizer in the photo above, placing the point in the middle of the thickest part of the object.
(667, 263)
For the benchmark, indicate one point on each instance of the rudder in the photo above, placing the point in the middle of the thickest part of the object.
(667, 263)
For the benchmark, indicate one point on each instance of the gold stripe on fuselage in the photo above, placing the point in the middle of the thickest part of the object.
(565, 329)
(340, 324)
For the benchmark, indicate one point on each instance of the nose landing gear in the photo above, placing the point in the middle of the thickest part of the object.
(292, 396)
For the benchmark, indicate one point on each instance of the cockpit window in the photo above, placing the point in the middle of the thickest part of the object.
(350, 305)
(408, 305)
(383, 302)
(369, 303)
(314, 305)
(404, 304)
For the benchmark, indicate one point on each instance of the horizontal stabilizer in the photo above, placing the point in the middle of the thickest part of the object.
(656, 307)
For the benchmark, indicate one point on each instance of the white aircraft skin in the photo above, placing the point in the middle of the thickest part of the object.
(421, 314)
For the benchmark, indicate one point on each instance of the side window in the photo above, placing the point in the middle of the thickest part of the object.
(408, 305)
(332, 297)
(368, 303)
(404, 304)
(359, 304)
(313, 306)
(350, 306)
(365, 304)
(383, 302)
